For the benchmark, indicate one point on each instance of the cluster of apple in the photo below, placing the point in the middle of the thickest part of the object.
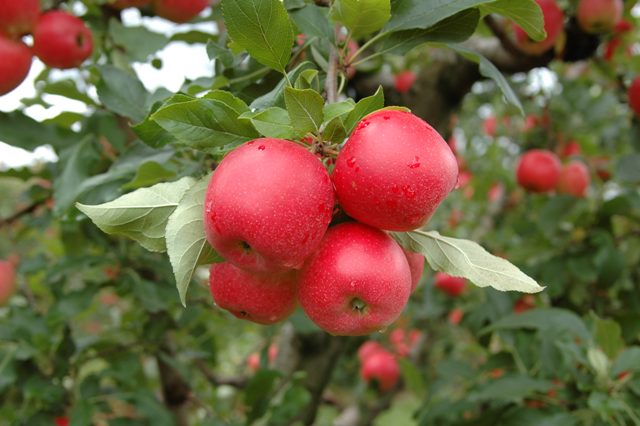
(174, 10)
(268, 210)
(60, 40)
(7, 279)
(540, 170)
(592, 16)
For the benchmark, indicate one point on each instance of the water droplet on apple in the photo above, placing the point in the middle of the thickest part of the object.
(351, 161)
(261, 147)
(409, 192)
(415, 163)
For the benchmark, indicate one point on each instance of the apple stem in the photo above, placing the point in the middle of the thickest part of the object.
(358, 305)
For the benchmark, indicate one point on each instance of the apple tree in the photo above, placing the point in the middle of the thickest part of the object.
(365, 212)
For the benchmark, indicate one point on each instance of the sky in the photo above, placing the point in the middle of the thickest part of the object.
(179, 60)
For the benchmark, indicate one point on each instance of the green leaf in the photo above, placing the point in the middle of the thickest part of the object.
(364, 107)
(138, 42)
(187, 244)
(262, 28)
(412, 377)
(141, 215)
(233, 102)
(305, 109)
(464, 258)
(510, 388)
(627, 169)
(334, 131)
(149, 173)
(410, 14)
(68, 89)
(276, 96)
(150, 132)
(272, 122)
(338, 109)
(489, 70)
(22, 131)
(454, 29)
(204, 124)
(608, 336)
(526, 13)
(314, 21)
(219, 53)
(361, 17)
(544, 319)
(122, 93)
(259, 392)
(628, 360)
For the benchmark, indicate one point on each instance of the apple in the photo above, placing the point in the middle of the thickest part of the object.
(416, 266)
(453, 286)
(394, 171)
(455, 316)
(489, 126)
(538, 170)
(571, 149)
(179, 10)
(123, 4)
(574, 179)
(268, 205)
(381, 369)
(602, 166)
(599, 16)
(553, 25)
(272, 353)
(404, 80)
(530, 122)
(357, 282)
(367, 349)
(524, 303)
(15, 64)
(403, 342)
(61, 421)
(7, 281)
(253, 362)
(62, 40)
(495, 193)
(455, 217)
(263, 299)
(633, 96)
(18, 17)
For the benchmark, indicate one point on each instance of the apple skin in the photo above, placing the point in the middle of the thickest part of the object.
(268, 218)
(124, 4)
(571, 149)
(367, 349)
(489, 125)
(382, 368)
(263, 299)
(633, 96)
(538, 170)
(416, 266)
(394, 171)
(574, 179)
(453, 286)
(403, 81)
(455, 316)
(253, 362)
(524, 303)
(553, 25)
(599, 16)
(15, 64)
(62, 40)
(179, 10)
(18, 17)
(357, 282)
(7, 281)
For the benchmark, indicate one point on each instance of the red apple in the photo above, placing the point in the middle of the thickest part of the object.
(496, 192)
(574, 179)
(455, 217)
(489, 126)
(123, 4)
(14, 65)
(268, 205)
(538, 170)
(530, 123)
(18, 17)
(455, 316)
(272, 353)
(264, 299)
(368, 348)
(253, 362)
(416, 265)
(633, 96)
(453, 286)
(599, 16)
(357, 282)
(404, 81)
(179, 10)
(524, 303)
(381, 368)
(61, 421)
(394, 171)
(571, 149)
(62, 40)
(553, 25)
(602, 166)
(7, 281)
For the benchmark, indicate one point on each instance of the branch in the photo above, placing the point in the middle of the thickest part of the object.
(239, 382)
(498, 30)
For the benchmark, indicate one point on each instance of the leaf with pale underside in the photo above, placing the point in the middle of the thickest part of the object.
(187, 244)
(464, 258)
(140, 215)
